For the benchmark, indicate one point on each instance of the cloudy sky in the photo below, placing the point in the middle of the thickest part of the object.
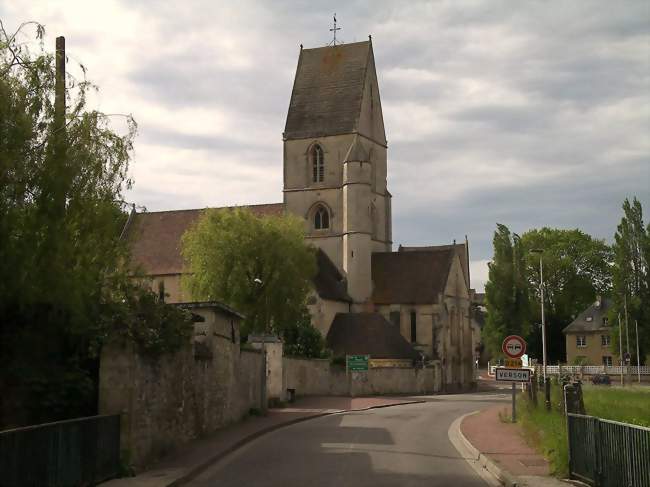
(524, 113)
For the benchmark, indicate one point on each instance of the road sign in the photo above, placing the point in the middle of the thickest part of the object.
(513, 375)
(514, 346)
(358, 363)
(513, 363)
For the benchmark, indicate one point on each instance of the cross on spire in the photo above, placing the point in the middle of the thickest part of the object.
(334, 29)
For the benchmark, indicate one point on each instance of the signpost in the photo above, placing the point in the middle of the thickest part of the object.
(513, 347)
(357, 363)
(514, 363)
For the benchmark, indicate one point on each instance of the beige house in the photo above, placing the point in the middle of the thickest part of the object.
(588, 337)
(335, 178)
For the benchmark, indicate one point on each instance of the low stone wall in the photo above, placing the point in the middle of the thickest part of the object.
(167, 402)
(319, 378)
(316, 377)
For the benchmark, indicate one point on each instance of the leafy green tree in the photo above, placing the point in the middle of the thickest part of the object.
(258, 265)
(631, 279)
(577, 268)
(506, 292)
(62, 292)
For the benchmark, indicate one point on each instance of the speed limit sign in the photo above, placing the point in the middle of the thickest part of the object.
(514, 346)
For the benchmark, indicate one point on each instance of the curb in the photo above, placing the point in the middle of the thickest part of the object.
(502, 475)
(199, 469)
(483, 466)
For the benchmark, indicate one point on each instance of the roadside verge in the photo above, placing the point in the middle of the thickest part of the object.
(497, 451)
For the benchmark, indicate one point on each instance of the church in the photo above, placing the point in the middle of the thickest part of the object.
(413, 303)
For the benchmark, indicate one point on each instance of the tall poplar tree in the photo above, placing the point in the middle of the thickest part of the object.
(631, 279)
(506, 292)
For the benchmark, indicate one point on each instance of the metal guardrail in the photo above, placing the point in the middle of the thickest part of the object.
(607, 453)
(82, 451)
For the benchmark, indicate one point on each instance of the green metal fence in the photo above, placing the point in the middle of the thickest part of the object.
(608, 453)
(76, 452)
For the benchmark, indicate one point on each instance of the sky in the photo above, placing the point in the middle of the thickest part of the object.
(528, 114)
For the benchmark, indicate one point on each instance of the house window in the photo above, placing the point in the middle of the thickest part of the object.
(318, 164)
(604, 340)
(605, 321)
(607, 361)
(321, 218)
(414, 327)
(581, 341)
(395, 318)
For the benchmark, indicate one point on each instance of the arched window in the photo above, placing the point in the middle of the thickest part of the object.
(321, 218)
(318, 164)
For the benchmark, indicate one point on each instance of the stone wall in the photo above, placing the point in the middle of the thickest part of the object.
(320, 378)
(167, 402)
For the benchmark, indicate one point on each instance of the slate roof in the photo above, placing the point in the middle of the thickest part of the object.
(368, 334)
(155, 237)
(329, 282)
(327, 91)
(459, 248)
(413, 277)
(591, 319)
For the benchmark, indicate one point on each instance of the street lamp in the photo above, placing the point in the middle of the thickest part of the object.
(547, 388)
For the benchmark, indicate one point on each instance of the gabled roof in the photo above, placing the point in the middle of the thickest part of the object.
(329, 282)
(591, 319)
(368, 334)
(155, 237)
(414, 277)
(328, 90)
(460, 249)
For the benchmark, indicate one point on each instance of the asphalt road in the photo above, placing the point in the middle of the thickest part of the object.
(396, 446)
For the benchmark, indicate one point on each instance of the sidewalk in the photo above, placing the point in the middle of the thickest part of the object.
(502, 450)
(191, 459)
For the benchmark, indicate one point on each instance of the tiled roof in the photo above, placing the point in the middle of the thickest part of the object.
(329, 282)
(591, 319)
(327, 91)
(155, 237)
(459, 248)
(414, 277)
(367, 334)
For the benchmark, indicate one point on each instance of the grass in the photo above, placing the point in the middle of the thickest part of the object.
(627, 405)
(546, 430)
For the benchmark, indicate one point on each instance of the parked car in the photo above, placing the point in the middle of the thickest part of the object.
(601, 379)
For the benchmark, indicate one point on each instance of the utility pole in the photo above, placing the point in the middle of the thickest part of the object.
(638, 359)
(620, 346)
(60, 185)
(627, 340)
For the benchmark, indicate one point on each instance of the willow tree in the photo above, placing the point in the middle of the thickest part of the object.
(62, 174)
(258, 265)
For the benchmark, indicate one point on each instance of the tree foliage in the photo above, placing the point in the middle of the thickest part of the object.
(62, 175)
(631, 279)
(258, 265)
(506, 292)
(577, 268)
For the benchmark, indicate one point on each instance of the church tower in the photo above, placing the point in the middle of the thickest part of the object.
(335, 154)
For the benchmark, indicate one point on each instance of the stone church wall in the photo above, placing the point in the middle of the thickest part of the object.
(167, 402)
(317, 377)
